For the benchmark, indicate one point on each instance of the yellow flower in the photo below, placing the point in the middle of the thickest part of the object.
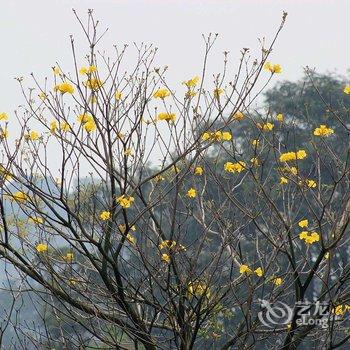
(191, 82)
(42, 96)
(339, 310)
(131, 238)
(226, 136)
(73, 281)
(120, 136)
(161, 93)
(198, 289)
(347, 89)
(255, 142)
(259, 272)
(20, 197)
(32, 135)
(273, 68)
(122, 228)
(118, 95)
(191, 93)
(169, 117)
(191, 193)
(198, 170)
(322, 130)
(277, 281)
(64, 87)
(56, 70)
(301, 154)
(105, 215)
(283, 180)
(4, 116)
(217, 136)
(158, 178)
(293, 170)
(69, 257)
(244, 269)
(94, 84)
(64, 126)
(311, 183)
(84, 118)
(5, 174)
(128, 152)
(125, 201)
(87, 70)
(255, 161)
(303, 234)
(238, 116)
(41, 248)
(280, 117)
(169, 244)
(166, 258)
(303, 223)
(326, 256)
(53, 126)
(90, 126)
(309, 238)
(289, 156)
(205, 136)
(234, 167)
(265, 127)
(36, 220)
(218, 92)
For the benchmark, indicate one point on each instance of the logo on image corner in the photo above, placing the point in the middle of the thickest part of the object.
(278, 313)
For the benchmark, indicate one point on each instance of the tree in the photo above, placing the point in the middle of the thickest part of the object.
(174, 255)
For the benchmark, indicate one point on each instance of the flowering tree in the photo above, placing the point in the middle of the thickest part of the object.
(130, 253)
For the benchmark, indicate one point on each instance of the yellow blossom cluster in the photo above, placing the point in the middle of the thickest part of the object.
(3, 116)
(289, 156)
(64, 126)
(36, 220)
(247, 270)
(347, 89)
(191, 193)
(309, 238)
(234, 167)
(105, 215)
(169, 117)
(87, 70)
(198, 289)
(41, 247)
(125, 201)
(198, 170)
(64, 88)
(217, 136)
(19, 197)
(94, 84)
(32, 135)
(161, 93)
(118, 95)
(239, 116)
(273, 68)
(217, 92)
(265, 127)
(88, 121)
(323, 130)
(340, 310)
(122, 228)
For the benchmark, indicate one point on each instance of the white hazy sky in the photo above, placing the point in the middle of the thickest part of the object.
(35, 34)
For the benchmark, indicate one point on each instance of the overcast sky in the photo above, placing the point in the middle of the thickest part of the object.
(35, 34)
